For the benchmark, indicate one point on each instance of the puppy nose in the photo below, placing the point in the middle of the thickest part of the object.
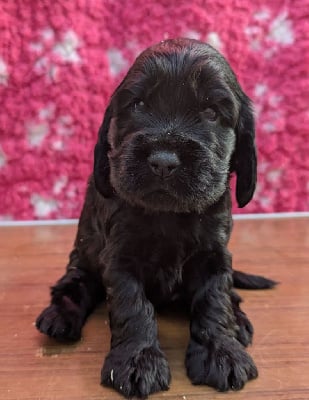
(163, 163)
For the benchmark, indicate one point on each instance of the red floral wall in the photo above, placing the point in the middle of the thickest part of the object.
(61, 60)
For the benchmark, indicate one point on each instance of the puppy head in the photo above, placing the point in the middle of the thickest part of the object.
(176, 127)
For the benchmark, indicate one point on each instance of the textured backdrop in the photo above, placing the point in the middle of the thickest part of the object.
(61, 60)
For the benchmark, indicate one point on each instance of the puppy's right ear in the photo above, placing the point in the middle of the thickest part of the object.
(101, 169)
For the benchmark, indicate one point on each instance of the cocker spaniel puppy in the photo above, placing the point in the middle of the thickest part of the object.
(157, 219)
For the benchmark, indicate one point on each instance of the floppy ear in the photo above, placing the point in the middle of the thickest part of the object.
(244, 162)
(101, 170)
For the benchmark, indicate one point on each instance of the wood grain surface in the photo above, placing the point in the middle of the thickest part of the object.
(34, 367)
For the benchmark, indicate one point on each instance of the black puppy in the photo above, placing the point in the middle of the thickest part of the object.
(157, 219)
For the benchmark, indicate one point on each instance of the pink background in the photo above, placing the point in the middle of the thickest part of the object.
(61, 60)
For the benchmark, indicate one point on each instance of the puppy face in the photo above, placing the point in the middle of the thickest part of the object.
(171, 135)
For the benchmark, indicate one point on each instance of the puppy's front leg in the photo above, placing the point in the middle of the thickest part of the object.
(135, 366)
(214, 356)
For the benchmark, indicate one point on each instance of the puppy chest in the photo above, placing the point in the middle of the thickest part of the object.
(162, 273)
(164, 285)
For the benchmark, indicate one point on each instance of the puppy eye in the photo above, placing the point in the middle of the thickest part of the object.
(138, 104)
(210, 113)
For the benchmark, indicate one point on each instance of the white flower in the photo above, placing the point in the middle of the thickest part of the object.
(281, 30)
(37, 132)
(3, 73)
(67, 48)
(2, 158)
(214, 40)
(116, 61)
(43, 207)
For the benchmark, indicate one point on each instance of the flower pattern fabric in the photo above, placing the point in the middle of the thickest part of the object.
(61, 61)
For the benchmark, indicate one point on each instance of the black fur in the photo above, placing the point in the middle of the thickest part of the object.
(157, 219)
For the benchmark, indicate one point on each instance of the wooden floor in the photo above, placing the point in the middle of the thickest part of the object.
(33, 367)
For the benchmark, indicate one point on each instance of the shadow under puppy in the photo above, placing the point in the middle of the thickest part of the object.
(157, 219)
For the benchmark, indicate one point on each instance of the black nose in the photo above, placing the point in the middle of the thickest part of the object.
(163, 163)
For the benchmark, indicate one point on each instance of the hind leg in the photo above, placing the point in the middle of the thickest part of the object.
(245, 332)
(73, 298)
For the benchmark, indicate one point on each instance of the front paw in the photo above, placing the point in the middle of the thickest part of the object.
(245, 328)
(222, 364)
(136, 373)
(62, 321)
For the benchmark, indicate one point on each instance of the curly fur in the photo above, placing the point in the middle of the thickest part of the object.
(157, 219)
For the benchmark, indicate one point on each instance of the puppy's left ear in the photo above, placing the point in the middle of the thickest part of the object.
(101, 169)
(244, 160)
